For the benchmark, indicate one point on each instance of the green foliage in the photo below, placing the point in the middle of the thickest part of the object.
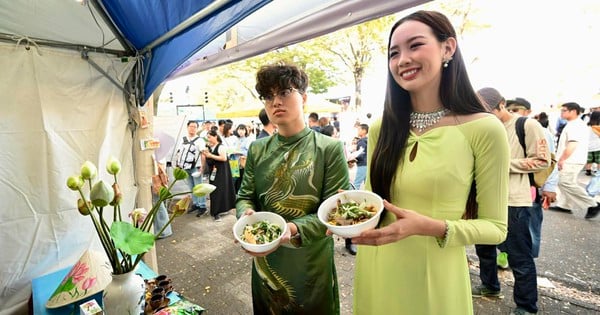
(356, 47)
(129, 239)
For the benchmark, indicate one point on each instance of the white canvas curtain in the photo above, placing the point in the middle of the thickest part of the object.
(56, 111)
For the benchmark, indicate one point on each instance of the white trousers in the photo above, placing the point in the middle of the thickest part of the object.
(572, 195)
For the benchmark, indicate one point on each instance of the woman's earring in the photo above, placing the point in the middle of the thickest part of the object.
(446, 62)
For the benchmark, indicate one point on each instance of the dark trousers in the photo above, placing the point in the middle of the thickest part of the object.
(488, 270)
(535, 228)
(518, 246)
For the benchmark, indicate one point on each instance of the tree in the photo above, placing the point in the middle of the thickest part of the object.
(356, 47)
(460, 13)
(233, 84)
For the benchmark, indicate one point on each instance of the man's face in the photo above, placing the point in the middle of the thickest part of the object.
(518, 109)
(567, 114)
(285, 106)
(192, 128)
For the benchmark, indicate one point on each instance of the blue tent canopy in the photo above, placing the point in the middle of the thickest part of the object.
(143, 22)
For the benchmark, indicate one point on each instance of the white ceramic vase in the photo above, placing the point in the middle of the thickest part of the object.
(125, 295)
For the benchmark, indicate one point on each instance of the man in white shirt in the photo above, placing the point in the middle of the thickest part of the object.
(572, 156)
(190, 160)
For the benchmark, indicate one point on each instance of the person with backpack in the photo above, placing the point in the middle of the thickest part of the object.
(532, 157)
(189, 159)
(538, 181)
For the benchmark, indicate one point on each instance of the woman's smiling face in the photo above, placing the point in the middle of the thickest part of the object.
(416, 56)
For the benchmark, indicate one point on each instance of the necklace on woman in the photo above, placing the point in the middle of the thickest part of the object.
(422, 121)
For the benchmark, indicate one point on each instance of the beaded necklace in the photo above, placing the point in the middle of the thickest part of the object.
(422, 121)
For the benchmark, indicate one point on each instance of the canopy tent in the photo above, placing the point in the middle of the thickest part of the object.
(77, 74)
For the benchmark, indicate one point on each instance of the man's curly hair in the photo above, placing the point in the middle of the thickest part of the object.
(276, 77)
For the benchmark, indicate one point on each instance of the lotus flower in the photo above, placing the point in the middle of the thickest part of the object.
(124, 243)
(138, 215)
(201, 190)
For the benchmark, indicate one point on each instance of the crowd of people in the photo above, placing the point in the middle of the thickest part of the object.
(220, 148)
(414, 261)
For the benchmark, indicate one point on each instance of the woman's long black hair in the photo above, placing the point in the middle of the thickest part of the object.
(456, 93)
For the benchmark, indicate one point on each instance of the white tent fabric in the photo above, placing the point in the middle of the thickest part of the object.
(57, 112)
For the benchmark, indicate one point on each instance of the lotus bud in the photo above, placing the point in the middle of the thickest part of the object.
(113, 166)
(83, 207)
(201, 190)
(74, 182)
(101, 195)
(164, 193)
(181, 206)
(118, 195)
(88, 170)
(179, 173)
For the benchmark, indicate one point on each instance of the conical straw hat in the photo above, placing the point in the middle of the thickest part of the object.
(90, 275)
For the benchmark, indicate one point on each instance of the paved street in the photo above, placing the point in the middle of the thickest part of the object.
(209, 269)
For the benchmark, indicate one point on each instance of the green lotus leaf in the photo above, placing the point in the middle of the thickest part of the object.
(130, 239)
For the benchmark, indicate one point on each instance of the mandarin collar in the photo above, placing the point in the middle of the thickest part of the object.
(295, 137)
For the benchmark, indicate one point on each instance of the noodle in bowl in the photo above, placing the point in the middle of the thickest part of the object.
(363, 197)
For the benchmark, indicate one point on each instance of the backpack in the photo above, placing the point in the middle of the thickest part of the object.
(188, 154)
(538, 178)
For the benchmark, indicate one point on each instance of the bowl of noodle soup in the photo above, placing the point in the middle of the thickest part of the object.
(351, 212)
(259, 232)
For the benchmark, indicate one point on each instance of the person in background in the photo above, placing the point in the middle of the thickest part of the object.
(432, 118)
(521, 199)
(329, 131)
(231, 143)
(268, 127)
(222, 199)
(521, 107)
(251, 136)
(242, 152)
(221, 124)
(290, 174)
(551, 184)
(190, 160)
(361, 156)
(572, 156)
(313, 122)
(593, 156)
(336, 124)
(206, 125)
(323, 121)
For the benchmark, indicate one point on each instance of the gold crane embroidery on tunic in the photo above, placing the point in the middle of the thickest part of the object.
(287, 176)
